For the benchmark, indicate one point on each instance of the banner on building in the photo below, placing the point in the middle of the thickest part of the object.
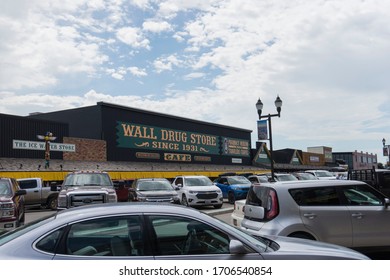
(262, 130)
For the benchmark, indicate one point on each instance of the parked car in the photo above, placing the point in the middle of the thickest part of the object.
(39, 193)
(198, 190)
(285, 177)
(304, 176)
(154, 190)
(347, 213)
(122, 189)
(233, 187)
(322, 174)
(258, 179)
(86, 187)
(151, 231)
(12, 213)
(237, 215)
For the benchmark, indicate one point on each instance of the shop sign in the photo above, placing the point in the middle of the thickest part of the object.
(40, 146)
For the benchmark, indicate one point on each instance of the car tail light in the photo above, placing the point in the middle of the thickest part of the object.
(272, 209)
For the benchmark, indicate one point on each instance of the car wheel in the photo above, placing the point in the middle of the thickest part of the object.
(218, 206)
(302, 235)
(184, 201)
(231, 198)
(52, 204)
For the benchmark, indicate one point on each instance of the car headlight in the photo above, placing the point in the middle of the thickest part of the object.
(61, 201)
(193, 192)
(112, 197)
(219, 191)
(7, 209)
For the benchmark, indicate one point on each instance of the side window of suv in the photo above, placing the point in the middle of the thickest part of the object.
(362, 195)
(326, 196)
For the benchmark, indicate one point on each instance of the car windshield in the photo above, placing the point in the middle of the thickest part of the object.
(238, 180)
(198, 181)
(87, 179)
(286, 177)
(4, 188)
(154, 186)
(324, 174)
(306, 176)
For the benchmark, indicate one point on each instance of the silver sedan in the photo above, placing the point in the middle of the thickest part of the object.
(151, 231)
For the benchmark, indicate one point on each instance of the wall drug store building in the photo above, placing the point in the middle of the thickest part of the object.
(107, 132)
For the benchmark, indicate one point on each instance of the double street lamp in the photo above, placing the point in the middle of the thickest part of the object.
(386, 149)
(259, 107)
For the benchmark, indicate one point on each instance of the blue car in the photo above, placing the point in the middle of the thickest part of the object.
(233, 187)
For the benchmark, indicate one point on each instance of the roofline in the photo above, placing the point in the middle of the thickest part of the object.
(101, 103)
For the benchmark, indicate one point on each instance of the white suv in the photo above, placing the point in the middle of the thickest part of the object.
(343, 212)
(198, 191)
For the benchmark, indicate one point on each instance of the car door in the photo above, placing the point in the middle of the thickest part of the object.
(370, 217)
(322, 214)
(182, 238)
(120, 237)
(33, 191)
(223, 184)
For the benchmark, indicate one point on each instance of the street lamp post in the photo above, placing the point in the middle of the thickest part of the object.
(259, 107)
(386, 150)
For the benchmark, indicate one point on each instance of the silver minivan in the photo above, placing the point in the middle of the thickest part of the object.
(343, 212)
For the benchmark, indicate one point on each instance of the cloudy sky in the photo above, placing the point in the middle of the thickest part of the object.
(209, 60)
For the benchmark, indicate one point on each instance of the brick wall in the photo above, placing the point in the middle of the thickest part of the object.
(86, 149)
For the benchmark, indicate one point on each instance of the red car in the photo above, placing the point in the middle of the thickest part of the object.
(122, 188)
(12, 212)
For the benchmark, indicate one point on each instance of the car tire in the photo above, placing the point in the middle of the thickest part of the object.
(184, 201)
(231, 198)
(218, 206)
(302, 235)
(52, 203)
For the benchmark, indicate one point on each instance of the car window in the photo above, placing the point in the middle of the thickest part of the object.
(238, 180)
(184, 236)
(198, 181)
(4, 188)
(119, 236)
(154, 186)
(179, 181)
(362, 195)
(28, 184)
(325, 196)
(50, 242)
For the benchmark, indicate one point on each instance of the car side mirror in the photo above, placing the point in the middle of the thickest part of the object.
(237, 247)
(20, 192)
(179, 186)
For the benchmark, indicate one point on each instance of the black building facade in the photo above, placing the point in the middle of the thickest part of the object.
(137, 135)
(19, 136)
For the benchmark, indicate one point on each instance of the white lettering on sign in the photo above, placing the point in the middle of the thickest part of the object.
(40, 146)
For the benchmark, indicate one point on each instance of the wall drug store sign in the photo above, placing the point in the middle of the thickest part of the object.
(137, 136)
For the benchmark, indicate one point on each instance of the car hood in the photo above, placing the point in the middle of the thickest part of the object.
(309, 249)
(157, 193)
(5, 198)
(203, 188)
(89, 188)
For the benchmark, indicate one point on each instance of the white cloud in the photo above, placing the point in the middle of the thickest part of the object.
(166, 63)
(133, 37)
(156, 26)
(328, 61)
